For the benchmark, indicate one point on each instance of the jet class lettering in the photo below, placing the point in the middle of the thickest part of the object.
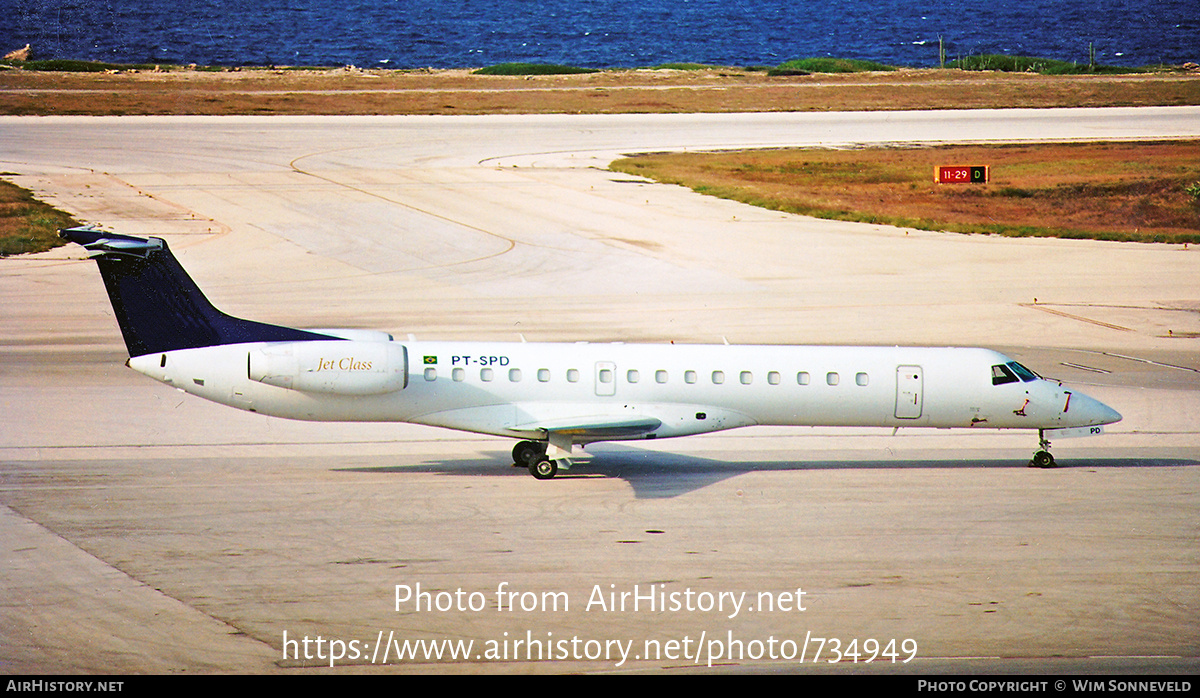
(479, 361)
(347, 363)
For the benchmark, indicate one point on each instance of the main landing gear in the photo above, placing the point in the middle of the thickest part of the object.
(1042, 458)
(543, 468)
(532, 455)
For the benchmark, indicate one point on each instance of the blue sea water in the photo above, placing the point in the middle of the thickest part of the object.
(596, 33)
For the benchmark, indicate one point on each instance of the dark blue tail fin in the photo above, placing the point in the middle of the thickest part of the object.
(158, 305)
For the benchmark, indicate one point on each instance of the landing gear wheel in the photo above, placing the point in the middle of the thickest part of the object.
(1042, 459)
(543, 468)
(526, 453)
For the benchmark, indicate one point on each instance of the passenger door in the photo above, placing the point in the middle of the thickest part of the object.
(909, 388)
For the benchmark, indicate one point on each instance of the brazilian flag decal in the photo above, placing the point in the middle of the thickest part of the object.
(430, 360)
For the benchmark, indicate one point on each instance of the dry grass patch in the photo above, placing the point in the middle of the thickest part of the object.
(1143, 192)
(26, 224)
(705, 89)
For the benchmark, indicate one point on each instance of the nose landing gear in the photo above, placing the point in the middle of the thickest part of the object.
(1042, 457)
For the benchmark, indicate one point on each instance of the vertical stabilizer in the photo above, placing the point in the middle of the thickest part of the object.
(158, 306)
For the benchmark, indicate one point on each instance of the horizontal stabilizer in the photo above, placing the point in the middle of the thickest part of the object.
(102, 242)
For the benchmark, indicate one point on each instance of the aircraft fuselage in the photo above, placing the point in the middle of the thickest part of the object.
(513, 389)
(556, 396)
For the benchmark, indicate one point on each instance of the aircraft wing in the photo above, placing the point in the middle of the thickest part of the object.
(587, 428)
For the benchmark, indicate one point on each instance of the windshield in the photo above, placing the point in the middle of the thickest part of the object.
(1025, 374)
(1012, 372)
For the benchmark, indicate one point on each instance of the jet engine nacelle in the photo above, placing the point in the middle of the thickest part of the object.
(335, 366)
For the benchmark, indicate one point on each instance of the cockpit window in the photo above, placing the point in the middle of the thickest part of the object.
(1025, 374)
(1001, 375)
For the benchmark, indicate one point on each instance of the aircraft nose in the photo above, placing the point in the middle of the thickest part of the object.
(1090, 411)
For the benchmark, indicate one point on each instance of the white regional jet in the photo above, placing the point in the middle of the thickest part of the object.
(556, 396)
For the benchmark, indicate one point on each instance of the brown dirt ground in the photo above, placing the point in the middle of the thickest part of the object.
(352, 91)
(1118, 191)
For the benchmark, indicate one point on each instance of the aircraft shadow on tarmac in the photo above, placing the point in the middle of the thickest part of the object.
(654, 474)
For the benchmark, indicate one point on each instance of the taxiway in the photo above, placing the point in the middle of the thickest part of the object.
(148, 531)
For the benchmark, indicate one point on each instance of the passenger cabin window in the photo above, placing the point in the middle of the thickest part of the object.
(431, 374)
(486, 374)
(832, 378)
(459, 375)
(718, 377)
(632, 375)
(514, 375)
(572, 375)
(543, 375)
(660, 376)
(862, 379)
(773, 378)
(1001, 375)
(606, 375)
(689, 376)
(746, 377)
(802, 378)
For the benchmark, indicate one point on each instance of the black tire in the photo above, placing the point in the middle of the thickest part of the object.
(1042, 459)
(543, 468)
(525, 453)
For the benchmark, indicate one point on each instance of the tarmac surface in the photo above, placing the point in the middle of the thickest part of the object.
(146, 531)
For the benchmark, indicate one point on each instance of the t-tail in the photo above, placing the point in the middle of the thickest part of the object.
(158, 306)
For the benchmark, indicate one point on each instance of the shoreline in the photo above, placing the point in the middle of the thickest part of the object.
(455, 91)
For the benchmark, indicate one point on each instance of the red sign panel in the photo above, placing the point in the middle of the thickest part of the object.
(976, 174)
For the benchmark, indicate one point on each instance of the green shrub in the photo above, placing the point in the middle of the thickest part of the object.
(70, 66)
(804, 66)
(1028, 64)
